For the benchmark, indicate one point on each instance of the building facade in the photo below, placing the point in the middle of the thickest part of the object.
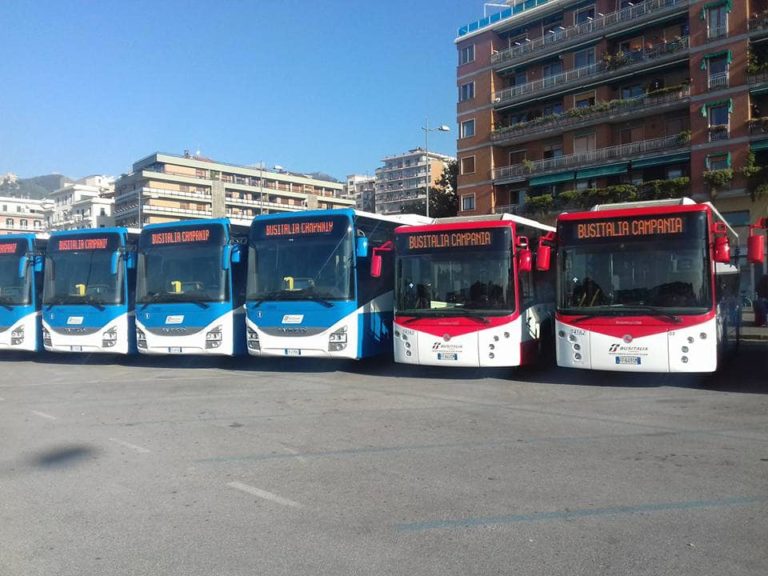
(166, 187)
(87, 203)
(361, 189)
(404, 178)
(21, 215)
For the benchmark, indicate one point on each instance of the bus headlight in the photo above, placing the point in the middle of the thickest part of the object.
(109, 338)
(253, 339)
(337, 340)
(47, 338)
(17, 336)
(213, 338)
(141, 339)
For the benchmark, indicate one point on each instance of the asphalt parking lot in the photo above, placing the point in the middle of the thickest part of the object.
(169, 466)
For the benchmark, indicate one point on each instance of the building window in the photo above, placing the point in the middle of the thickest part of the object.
(584, 58)
(9, 222)
(674, 172)
(584, 143)
(467, 92)
(467, 54)
(718, 161)
(717, 70)
(717, 20)
(585, 14)
(552, 69)
(718, 115)
(468, 165)
(634, 91)
(24, 223)
(553, 109)
(517, 157)
(468, 128)
(584, 100)
(37, 224)
(468, 202)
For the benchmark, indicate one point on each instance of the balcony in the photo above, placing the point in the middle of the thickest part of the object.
(718, 81)
(759, 77)
(581, 78)
(520, 172)
(758, 126)
(579, 33)
(601, 112)
(717, 32)
(758, 24)
(508, 209)
(718, 132)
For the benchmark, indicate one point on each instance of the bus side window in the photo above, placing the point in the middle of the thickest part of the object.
(527, 289)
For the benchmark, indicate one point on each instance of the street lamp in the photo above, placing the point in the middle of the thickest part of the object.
(427, 130)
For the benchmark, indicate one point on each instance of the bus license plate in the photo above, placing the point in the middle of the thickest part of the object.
(175, 350)
(634, 360)
(447, 356)
(77, 348)
(292, 352)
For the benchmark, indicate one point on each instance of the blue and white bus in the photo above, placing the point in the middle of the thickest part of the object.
(311, 288)
(191, 289)
(21, 275)
(88, 295)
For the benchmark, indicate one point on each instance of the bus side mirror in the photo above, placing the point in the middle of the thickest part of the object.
(39, 260)
(722, 250)
(377, 260)
(226, 256)
(23, 263)
(237, 253)
(543, 258)
(524, 260)
(361, 247)
(755, 249)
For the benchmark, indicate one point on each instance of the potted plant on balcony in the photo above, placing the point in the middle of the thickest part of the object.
(527, 165)
(684, 137)
(718, 179)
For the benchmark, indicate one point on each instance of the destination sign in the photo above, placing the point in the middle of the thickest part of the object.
(180, 236)
(638, 227)
(669, 227)
(489, 239)
(68, 244)
(8, 247)
(298, 228)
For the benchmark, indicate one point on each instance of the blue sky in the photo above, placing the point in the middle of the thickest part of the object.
(92, 86)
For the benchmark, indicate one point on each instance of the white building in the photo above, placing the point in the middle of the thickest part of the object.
(87, 203)
(404, 178)
(361, 189)
(21, 215)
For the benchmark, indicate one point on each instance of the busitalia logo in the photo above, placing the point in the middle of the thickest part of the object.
(614, 348)
(435, 346)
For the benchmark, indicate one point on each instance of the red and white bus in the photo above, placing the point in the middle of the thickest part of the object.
(646, 287)
(466, 293)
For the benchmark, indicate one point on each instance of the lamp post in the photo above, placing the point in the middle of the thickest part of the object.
(427, 130)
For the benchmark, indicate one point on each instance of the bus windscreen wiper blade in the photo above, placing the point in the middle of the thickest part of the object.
(627, 310)
(656, 311)
(6, 302)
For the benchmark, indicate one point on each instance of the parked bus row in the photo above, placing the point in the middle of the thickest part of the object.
(646, 286)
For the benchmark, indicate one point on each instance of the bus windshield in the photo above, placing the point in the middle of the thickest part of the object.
(301, 260)
(666, 271)
(183, 264)
(81, 278)
(14, 291)
(447, 273)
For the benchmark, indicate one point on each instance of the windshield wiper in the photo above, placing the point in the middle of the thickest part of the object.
(274, 295)
(6, 301)
(93, 302)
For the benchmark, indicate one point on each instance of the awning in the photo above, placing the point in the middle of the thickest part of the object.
(661, 160)
(609, 170)
(551, 178)
(759, 145)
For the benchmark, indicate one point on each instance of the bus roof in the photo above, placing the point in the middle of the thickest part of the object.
(111, 230)
(405, 219)
(505, 217)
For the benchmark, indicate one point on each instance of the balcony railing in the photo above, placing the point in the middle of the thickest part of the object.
(718, 80)
(627, 62)
(581, 32)
(758, 126)
(758, 22)
(518, 172)
(581, 116)
(718, 132)
(757, 78)
(508, 209)
(716, 32)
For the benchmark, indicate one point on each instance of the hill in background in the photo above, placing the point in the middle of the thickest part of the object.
(35, 188)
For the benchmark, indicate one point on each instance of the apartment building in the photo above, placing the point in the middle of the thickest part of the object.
(557, 98)
(404, 178)
(86, 203)
(21, 215)
(362, 189)
(166, 187)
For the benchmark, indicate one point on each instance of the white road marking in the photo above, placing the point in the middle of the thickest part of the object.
(138, 449)
(44, 415)
(263, 494)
